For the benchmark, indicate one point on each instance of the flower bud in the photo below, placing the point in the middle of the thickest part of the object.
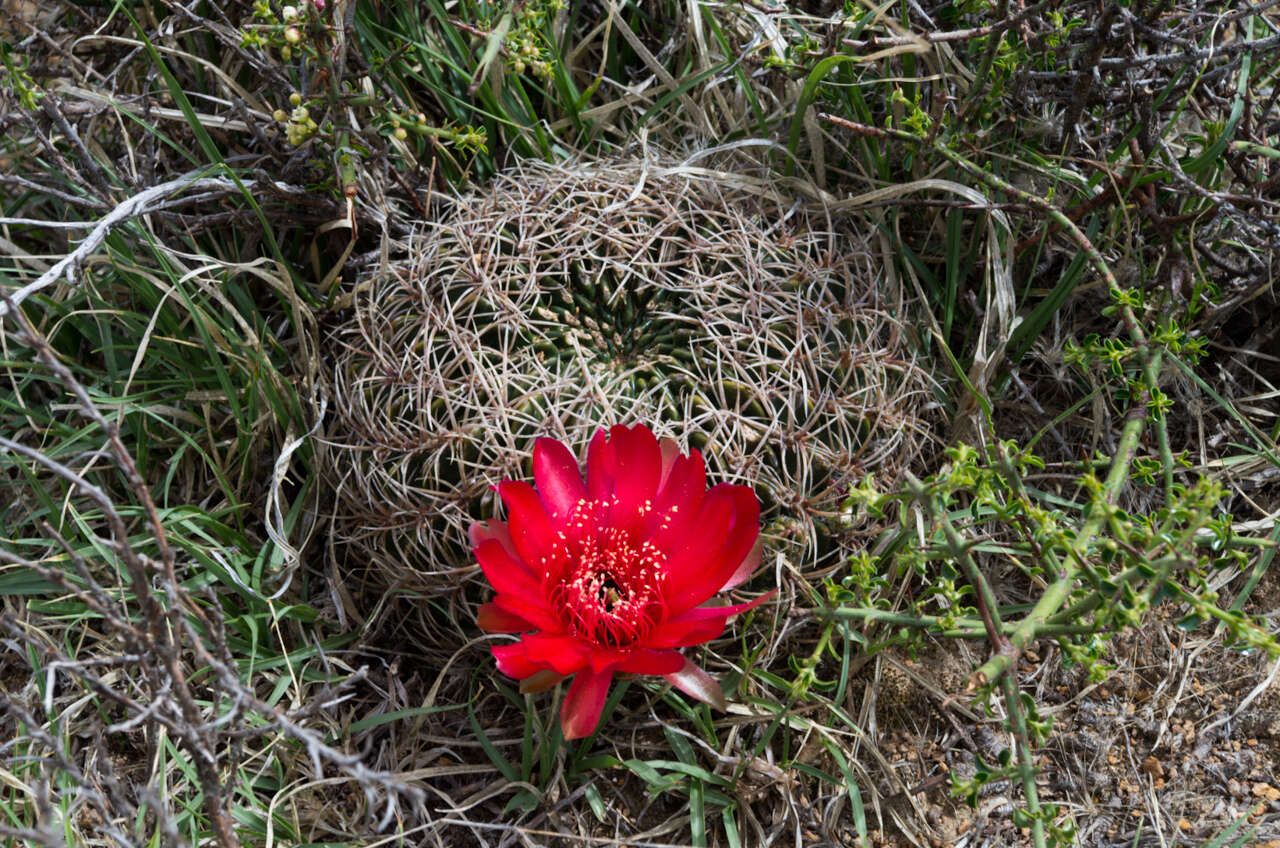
(292, 35)
(280, 115)
(289, 13)
(286, 53)
(401, 133)
(295, 99)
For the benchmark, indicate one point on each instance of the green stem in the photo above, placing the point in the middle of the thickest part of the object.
(1026, 768)
(346, 159)
(987, 604)
(1257, 149)
(807, 676)
(1166, 454)
(955, 628)
(1060, 590)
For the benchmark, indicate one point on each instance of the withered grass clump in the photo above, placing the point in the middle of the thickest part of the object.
(563, 299)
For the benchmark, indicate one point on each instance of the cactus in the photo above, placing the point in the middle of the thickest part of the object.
(559, 300)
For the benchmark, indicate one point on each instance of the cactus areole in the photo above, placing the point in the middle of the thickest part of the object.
(608, 575)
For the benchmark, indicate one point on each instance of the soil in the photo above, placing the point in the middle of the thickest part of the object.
(1181, 741)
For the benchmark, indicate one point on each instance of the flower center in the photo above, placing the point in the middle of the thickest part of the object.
(608, 590)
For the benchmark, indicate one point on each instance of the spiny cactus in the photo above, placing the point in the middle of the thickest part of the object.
(560, 300)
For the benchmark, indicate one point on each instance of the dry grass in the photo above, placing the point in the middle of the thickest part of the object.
(306, 677)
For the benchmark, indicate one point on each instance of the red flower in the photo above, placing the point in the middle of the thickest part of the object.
(607, 575)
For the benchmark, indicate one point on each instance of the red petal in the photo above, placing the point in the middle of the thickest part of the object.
(684, 633)
(531, 529)
(539, 681)
(512, 661)
(506, 574)
(481, 531)
(532, 609)
(634, 660)
(738, 609)
(698, 625)
(637, 467)
(685, 479)
(645, 661)
(696, 575)
(582, 706)
(565, 654)
(559, 481)
(689, 556)
(494, 619)
(696, 683)
(678, 500)
(599, 468)
(670, 451)
(606, 659)
(748, 567)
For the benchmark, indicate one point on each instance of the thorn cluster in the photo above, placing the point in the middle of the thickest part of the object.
(558, 299)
